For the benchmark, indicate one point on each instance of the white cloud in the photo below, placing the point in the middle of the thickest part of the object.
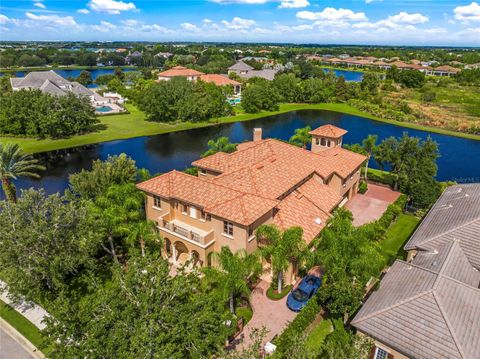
(83, 11)
(53, 19)
(104, 26)
(248, 2)
(155, 28)
(293, 4)
(238, 23)
(189, 27)
(131, 22)
(111, 6)
(40, 5)
(3, 19)
(302, 27)
(406, 18)
(207, 21)
(332, 14)
(468, 13)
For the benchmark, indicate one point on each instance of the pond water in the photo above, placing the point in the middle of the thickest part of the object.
(75, 73)
(459, 161)
(355, 76)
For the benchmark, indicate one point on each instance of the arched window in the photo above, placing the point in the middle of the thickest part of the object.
(323, 142)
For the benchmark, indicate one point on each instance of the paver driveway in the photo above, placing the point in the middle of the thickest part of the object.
(370, 206)
(271, 314)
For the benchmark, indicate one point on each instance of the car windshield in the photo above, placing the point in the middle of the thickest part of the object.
(299, 295)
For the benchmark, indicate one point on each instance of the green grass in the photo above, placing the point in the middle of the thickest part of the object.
(245, 312)
(134, 124)
(273, 295)
(23, 326)
(380, 176)
(397, 234)
(317, 336)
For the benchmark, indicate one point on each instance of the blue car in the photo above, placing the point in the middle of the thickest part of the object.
(299, 297)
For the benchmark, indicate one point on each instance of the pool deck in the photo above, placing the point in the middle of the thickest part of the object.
(370, 206)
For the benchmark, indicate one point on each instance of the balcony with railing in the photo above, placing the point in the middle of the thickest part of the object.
(185, 231)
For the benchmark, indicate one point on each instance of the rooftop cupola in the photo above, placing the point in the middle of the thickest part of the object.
(326, 136)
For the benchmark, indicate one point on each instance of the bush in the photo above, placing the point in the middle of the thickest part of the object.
(274, 295)
(429, 96)
(363, 187)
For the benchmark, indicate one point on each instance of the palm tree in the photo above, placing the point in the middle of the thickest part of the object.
(301, 137)
(13, 164)
(281, 248)
(143, 232)
(369, 145)
(235, 271)
(221, 144)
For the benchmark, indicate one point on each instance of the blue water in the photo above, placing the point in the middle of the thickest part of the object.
(354, 76)
(459, 159)
(103, 109)
(75, 73)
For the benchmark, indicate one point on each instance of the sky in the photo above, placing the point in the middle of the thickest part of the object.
(373, 22)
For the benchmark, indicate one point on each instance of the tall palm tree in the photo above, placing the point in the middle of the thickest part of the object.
(221, 144)
(281, 248)
(13, 164)
(301, 137)
(235, 270)
(369, 145)
(143, 232)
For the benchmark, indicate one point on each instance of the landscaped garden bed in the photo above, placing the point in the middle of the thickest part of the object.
(273, 293)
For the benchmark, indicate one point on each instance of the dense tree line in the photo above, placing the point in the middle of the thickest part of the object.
(183, 100)
(36, 114)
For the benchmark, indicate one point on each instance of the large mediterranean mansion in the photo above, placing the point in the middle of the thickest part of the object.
(265, 181)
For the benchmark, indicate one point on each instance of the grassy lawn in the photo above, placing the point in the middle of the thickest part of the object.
(398, 233)
(134, 124)
(22, 325)
(245, 312)
(317, 336)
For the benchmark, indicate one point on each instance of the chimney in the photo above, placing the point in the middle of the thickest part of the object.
(257, 134)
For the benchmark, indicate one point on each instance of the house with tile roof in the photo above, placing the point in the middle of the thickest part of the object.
(223, 80)
(429, 305)
(52, 83)
(179, 71)
(264, 181)
(246, 71)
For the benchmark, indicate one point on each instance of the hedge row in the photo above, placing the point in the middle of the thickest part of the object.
(392, 212)
(380, 176)
(296, 327)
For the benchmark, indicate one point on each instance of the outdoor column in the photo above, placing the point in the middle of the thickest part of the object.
(174, 254)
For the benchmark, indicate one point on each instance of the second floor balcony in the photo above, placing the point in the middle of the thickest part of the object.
(186, 231)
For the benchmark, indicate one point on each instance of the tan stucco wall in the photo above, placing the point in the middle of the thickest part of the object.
(393, 354)
(207, 174)
(317, 147)
(336, 183)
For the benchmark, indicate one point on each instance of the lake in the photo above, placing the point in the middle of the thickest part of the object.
(459, 159)
(65, 73)
(355, 76)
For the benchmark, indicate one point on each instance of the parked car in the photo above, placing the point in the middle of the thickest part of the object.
(299, 297)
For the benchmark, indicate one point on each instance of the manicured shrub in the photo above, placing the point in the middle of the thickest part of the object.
(363, 187)
(274, 295)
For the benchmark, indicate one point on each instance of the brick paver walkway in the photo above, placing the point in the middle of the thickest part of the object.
(271, 314)
(370, 206)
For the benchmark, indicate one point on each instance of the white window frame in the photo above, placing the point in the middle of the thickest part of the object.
(380, 353)
(228, 228)
(157, 202)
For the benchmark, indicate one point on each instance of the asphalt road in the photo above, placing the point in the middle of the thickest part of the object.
(10, 349)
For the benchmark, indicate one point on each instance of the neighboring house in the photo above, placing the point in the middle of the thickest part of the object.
(180, 71)
(223, 80)
(52, 83)
(429, 306)
(445, 71)
(264, 181)
(246, 71)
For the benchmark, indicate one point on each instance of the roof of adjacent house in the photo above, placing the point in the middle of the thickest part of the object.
(225, 202)
(456, 214)
(428, 308)
(52, 83)
(328, 130)
(180, 71)
(268, 74)
(447, 68)
(219, 80)
(240, 66)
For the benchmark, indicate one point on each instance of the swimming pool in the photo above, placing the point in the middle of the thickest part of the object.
(103, 109)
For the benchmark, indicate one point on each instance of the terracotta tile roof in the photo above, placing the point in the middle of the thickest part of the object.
(180, 71)
(330, 131)
(447, 68)
(219, 80)
(228, 203)
(298, 210)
